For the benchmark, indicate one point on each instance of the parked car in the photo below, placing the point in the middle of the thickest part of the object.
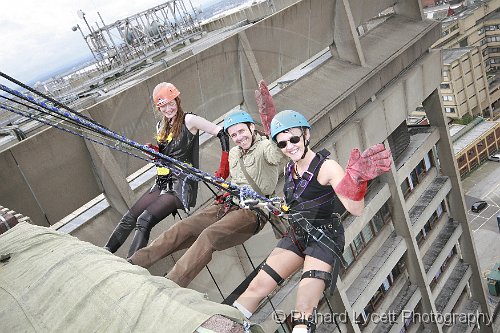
(478, 206)
(494, 157)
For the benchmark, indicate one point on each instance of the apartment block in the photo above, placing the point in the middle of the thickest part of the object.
(464, 88)
(477, 26)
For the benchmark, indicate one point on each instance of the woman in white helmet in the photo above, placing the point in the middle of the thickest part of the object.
(317, 192)
(177, 137)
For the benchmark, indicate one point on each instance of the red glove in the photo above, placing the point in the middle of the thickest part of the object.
(223, 171)
(221, 198)
(265, 103)
(153, 147)
(362, 167)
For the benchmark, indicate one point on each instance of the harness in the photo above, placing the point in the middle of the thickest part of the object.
(229, 203)
(302, 230)
(185, 149)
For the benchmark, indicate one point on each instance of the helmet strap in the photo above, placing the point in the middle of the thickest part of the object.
(306, 149)
(306, 144)
(253, 134)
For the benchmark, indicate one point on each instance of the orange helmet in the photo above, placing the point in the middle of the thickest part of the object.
(164, 93)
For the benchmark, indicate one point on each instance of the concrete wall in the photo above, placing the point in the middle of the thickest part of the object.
(211, 83)
(47, 175)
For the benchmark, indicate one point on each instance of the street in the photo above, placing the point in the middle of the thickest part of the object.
(484, 184)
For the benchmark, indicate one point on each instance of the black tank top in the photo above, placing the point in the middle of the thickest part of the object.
(184, 148)
(309, 203)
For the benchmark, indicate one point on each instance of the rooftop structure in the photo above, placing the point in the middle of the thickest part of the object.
(463, 141)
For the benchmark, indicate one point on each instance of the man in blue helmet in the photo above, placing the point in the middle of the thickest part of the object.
(254, 162)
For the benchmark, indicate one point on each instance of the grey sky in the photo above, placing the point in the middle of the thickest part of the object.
(36, 36)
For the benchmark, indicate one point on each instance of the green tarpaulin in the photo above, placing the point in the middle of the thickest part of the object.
(54, 282)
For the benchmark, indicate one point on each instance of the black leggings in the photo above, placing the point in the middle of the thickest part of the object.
(160, 206)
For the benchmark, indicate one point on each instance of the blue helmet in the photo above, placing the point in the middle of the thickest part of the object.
(237, 117)
(285, 120)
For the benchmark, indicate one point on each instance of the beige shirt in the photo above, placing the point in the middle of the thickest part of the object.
(262, 162)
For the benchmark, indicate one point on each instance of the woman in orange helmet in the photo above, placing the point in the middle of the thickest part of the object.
(177, 137)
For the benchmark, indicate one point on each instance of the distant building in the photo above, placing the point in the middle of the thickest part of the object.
(472, 144)
(464, 89)
(477, 26)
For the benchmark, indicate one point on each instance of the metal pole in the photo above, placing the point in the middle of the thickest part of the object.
(77, 27)
(112, 40)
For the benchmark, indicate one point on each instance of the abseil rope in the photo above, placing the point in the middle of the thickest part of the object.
(68, 125)
(48, 98)
(87, 124)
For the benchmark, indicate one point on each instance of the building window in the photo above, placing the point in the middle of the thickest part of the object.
(449, 110)
(379, 295)
(369, 232)
(445, 86)
(493, 39)
(429, 160)
(379, 220)
(348, 256)
(445, 73)
(447, 98)
(358, 244)
(431, 223)
(418, 174)
(405, 188)
(443, 268)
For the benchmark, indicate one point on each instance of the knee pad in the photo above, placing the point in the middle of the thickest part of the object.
(321, 275)
(272, 273)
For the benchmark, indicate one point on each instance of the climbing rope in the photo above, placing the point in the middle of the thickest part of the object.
(72, 122)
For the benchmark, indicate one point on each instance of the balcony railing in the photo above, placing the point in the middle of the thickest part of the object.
(456, 282)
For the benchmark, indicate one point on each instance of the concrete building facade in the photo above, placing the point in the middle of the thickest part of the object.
(410, 255)
(465, 86)
(477, 26)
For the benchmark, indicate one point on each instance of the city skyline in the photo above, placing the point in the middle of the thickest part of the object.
(38, 40)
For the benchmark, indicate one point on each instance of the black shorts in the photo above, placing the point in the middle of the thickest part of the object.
(313, 248)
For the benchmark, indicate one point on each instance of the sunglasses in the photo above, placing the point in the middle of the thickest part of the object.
(294, 139)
